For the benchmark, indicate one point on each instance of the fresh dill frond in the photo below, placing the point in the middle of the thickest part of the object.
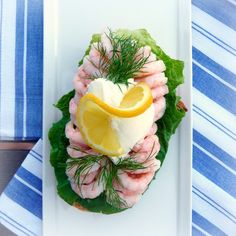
(124, 63)
(108, 172)
(129, 164)
(113, 198)
(83, 165)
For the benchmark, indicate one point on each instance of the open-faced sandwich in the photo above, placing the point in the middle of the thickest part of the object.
(116, 124)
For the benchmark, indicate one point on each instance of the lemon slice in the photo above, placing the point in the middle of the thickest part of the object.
(94, 118)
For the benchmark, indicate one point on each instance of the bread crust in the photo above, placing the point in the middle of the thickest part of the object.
(78, 206)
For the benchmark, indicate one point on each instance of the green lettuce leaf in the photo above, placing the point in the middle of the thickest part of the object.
(166, 125)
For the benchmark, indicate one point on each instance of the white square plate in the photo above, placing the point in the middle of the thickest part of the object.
(165, 209)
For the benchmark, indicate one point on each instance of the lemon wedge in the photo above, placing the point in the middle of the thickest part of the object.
(94, 118)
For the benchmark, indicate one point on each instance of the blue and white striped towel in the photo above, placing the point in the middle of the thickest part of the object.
(214, 120)
(21, 201)
(21, 69)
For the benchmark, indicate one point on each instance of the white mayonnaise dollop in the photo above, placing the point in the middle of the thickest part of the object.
(129, 130)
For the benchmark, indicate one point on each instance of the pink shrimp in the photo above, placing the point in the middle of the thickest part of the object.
(90, 68)
(159, 91)
(139, 144)
(77, 97)
(94, 54)
(74, 135)
(152, 130)
(152, 74)
(85, 177)
(151, 68)
(75, 153)
(79, 87)
(81, 152)
(159, 107)
(135, 182)
(77, 141)
(73, 120)
(144, 52)
(88, 186)
(91, 62)
(72, 107)
(153, 80)
(88, 191)
(145, 153)
(130, 198)
(149, 144)
(151, 165)
(81, 73)
(106, 43)
(81, 84)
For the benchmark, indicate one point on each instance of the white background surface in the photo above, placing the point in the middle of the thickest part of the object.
(165, 209)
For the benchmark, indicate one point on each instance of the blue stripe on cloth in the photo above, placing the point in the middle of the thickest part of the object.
(19, 69)
(30, 178)
(206, 225)
(214, 41)
(213, 123)
(223, 11)
(36, 157)
(25, 197)
(214, 150)
(214, 204)
(214, 171)
(216, 68)
(16, 224)
(34, 70)
(214, 89)
(36, 153)
(197, 232)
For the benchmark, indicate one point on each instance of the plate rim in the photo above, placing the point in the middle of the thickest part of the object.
(50, 51)
(185, 16)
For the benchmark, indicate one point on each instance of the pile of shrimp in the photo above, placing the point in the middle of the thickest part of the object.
(131, 184)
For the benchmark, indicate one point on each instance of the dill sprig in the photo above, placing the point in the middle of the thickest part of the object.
(108, 172)
(83, 165)
(107, 175)
(129, 164)
(126, 60)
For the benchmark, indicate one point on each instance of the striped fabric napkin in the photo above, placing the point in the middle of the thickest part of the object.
(214, 120)
(21, 201)
(21, 69)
